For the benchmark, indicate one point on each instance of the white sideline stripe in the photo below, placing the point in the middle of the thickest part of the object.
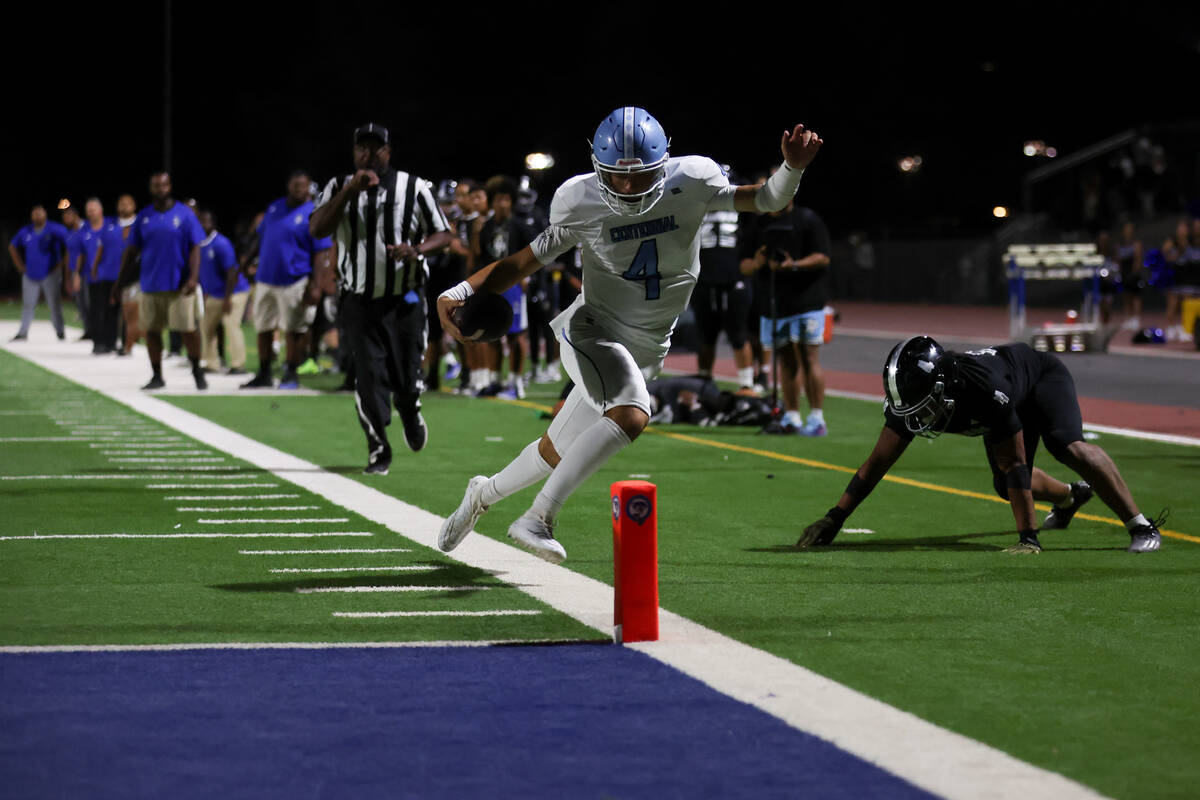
(294, 521)
(405, 568)
(246, 508)
(1132, 433)
(325, 552)
(932, 758)
(169, 459)
(384, 614)
(358, 589)
(72, 439)
(229, 496)
(113, 477)
(206, 485)
(125, 648)
(47, 537)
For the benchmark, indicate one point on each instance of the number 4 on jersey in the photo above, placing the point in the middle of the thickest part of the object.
(645, 268)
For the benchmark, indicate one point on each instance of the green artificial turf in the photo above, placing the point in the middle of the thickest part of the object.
(1080, 659)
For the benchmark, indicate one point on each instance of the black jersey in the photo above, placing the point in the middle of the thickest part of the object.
(992, 388)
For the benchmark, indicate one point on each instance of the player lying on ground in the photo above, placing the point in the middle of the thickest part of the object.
(1012, 395)
(638, 272)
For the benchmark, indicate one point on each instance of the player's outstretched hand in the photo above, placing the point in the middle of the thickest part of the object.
(445, 309)
(800, 147)
(820, 533)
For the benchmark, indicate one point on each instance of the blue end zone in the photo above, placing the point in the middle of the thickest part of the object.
(553, 721)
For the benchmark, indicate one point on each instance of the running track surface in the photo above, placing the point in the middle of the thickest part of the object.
(589, 720)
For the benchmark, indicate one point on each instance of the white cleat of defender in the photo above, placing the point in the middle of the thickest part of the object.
(537, 536)
(462, 521)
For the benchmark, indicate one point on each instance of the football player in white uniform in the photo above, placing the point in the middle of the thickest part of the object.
(637, 220)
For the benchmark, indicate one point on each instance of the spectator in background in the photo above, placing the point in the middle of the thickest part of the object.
(86, 243)
(539, 290)
(288, 292)
(131, 296)
(39, 251)
(1184, 262)
(446, 269)
(501, 236)
(104, 268)
(1110, 275)
(793, 247)
(225, 293)
(721, 299)
(76, 280)
(167, 238)
(1133, 278)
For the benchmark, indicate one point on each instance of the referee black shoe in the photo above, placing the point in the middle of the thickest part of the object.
(415, 432)
(259, 381)
(379, 464)
(201, 381)
(155, 383)
(1059, 518)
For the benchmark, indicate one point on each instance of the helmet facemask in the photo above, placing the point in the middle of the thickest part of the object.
(634, 203)
(929, 417)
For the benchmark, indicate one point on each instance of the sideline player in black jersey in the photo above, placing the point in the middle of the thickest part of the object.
(1013, 396)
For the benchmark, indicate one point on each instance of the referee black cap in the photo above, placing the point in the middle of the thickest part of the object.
(371, 129)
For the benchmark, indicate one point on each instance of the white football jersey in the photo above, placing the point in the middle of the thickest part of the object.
(638, 272)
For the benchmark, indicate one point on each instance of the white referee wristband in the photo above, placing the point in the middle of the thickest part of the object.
(460, 292)
(779, 189)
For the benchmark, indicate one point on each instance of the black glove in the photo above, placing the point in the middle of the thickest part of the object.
(823, 531)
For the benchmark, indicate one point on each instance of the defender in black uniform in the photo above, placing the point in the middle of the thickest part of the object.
(1012, 396)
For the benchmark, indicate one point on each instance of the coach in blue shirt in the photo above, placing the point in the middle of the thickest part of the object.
(288, 291)
(225, 293)
(102, 246)
(39, 251)
(167, 236)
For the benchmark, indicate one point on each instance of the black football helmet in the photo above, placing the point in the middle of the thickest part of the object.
(916, 375)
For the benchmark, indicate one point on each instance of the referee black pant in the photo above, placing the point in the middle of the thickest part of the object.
(387, 339)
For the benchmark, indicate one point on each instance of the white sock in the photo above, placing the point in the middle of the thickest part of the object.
(525, 470)
(450, 359)
(1070, 498)
(1140, 519)
(816, 414)
(745, 376)
(602, 440)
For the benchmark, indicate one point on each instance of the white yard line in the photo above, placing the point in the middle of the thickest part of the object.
(513, 612)
(267, 521)
(373, 589)
(933, 758)
(207, 485)
(280, 496)
(276, 535)
(405, 568)
(335, 551)
(245, 508)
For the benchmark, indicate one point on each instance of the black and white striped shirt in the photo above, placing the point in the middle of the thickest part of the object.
(400, 209)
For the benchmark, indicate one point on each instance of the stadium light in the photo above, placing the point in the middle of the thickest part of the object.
(1036, 147)
(999, 212)
(909, 164)
(539, 161)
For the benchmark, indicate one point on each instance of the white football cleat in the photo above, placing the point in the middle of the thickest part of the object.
(537, 536)
(462, 521)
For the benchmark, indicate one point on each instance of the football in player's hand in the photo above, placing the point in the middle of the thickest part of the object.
(485, 317)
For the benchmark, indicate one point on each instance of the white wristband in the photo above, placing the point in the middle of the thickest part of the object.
(460, 292)
(779, 189)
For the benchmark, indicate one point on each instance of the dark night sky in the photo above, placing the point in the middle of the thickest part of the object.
(469, 94)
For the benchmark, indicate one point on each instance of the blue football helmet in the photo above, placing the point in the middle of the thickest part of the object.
(631, 142)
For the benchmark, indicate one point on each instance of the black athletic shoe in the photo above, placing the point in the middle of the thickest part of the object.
(155, 383)
(201, 381)
(415, 432)
(379, 464)
(1059, 518)
(20, 337)
(259, 381)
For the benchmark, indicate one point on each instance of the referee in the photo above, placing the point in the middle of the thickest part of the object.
(386, 222)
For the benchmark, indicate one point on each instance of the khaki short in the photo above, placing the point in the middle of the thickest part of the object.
(131, 293)
(170, 310)
(282, 308)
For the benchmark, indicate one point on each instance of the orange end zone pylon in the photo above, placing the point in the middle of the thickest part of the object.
(635, 561)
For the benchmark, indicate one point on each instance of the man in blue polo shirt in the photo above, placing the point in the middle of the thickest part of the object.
(100, 270)
(76, 281)
(39, 251)
(289, 261)
(225, 294)
(167, 236)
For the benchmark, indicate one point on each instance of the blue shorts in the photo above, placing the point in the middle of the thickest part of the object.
(516, 297)
(808, 327)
